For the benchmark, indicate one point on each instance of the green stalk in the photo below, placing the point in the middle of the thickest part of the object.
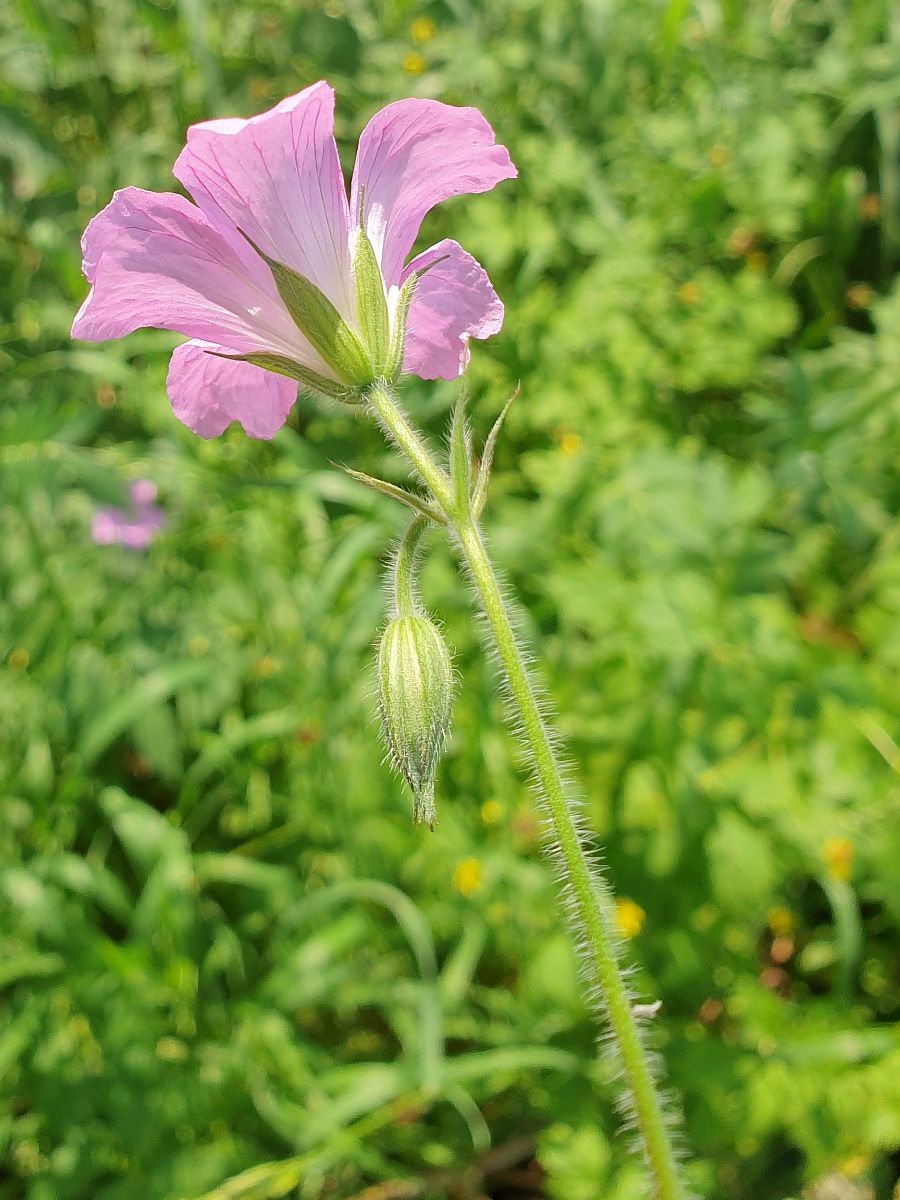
(403, 570)
(586, 890)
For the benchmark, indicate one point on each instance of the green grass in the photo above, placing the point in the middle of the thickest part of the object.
(222, 942)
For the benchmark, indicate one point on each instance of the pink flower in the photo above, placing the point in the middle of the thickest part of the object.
(272, 241)
(135, 528)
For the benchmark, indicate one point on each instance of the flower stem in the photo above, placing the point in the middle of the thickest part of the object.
(587, 893)
(403, 569)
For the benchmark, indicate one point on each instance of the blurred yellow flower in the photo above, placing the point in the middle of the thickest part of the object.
(422, 29)
(491, 812)
(837, 854)
(570, 444)
(741, 241)
(414, 63)
(18, 659)
(629, 918)
(870, 206)
(780, 921)
(859, 295)
(171, 1049)
(467, 877)
(689, 293)
(265, 667)
(259, 88)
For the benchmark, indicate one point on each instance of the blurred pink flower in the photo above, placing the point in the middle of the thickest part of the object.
(134, 528)
(275, 179)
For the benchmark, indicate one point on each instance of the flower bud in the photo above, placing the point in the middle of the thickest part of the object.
(415, 691)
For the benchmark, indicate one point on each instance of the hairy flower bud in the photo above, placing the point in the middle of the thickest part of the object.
(415, 690)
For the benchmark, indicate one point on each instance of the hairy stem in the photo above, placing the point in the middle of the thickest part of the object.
(586, 891)
(403, 569)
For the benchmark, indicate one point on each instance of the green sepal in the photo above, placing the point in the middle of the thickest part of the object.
(417, 503)
(483, 478)
(394, 364)
(371, 302)
(320, 323)
(279, 364)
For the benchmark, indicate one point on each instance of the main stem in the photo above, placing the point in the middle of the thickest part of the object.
(591, 900)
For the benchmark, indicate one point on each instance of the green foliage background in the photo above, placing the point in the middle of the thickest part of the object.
(222, 943)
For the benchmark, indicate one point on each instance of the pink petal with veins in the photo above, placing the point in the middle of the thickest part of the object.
(278, 178)
(453, 301)
(208, 393)
(153, 259)
(412, 155)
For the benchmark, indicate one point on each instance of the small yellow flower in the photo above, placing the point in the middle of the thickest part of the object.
(689, 293)
(717, 155)
(570, 444)
(414, 63)
(467, 877)
(422, 30)
(859, 295)
(837, 853)
(18, 659)
(491, 812)
(704, 917)
(171, 1049)
(870, 206)
(855, 1165)
(741, 241)
(259, 88)
(265, 667)
(780, 921)
(629, 918)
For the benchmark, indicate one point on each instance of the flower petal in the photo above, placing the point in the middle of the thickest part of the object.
(452, 302)
(412, 155)
(278, 178)
(155, 260)
(208, 393)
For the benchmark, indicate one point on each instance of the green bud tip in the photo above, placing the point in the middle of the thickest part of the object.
(415, 693)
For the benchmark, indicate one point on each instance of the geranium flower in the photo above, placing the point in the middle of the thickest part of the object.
(277, 279)
(135, 527)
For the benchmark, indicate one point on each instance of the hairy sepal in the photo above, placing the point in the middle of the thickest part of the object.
(417, 503)
(483, 477)
(371, 302)
(279, 364)
(320, 323)
(394, 364)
